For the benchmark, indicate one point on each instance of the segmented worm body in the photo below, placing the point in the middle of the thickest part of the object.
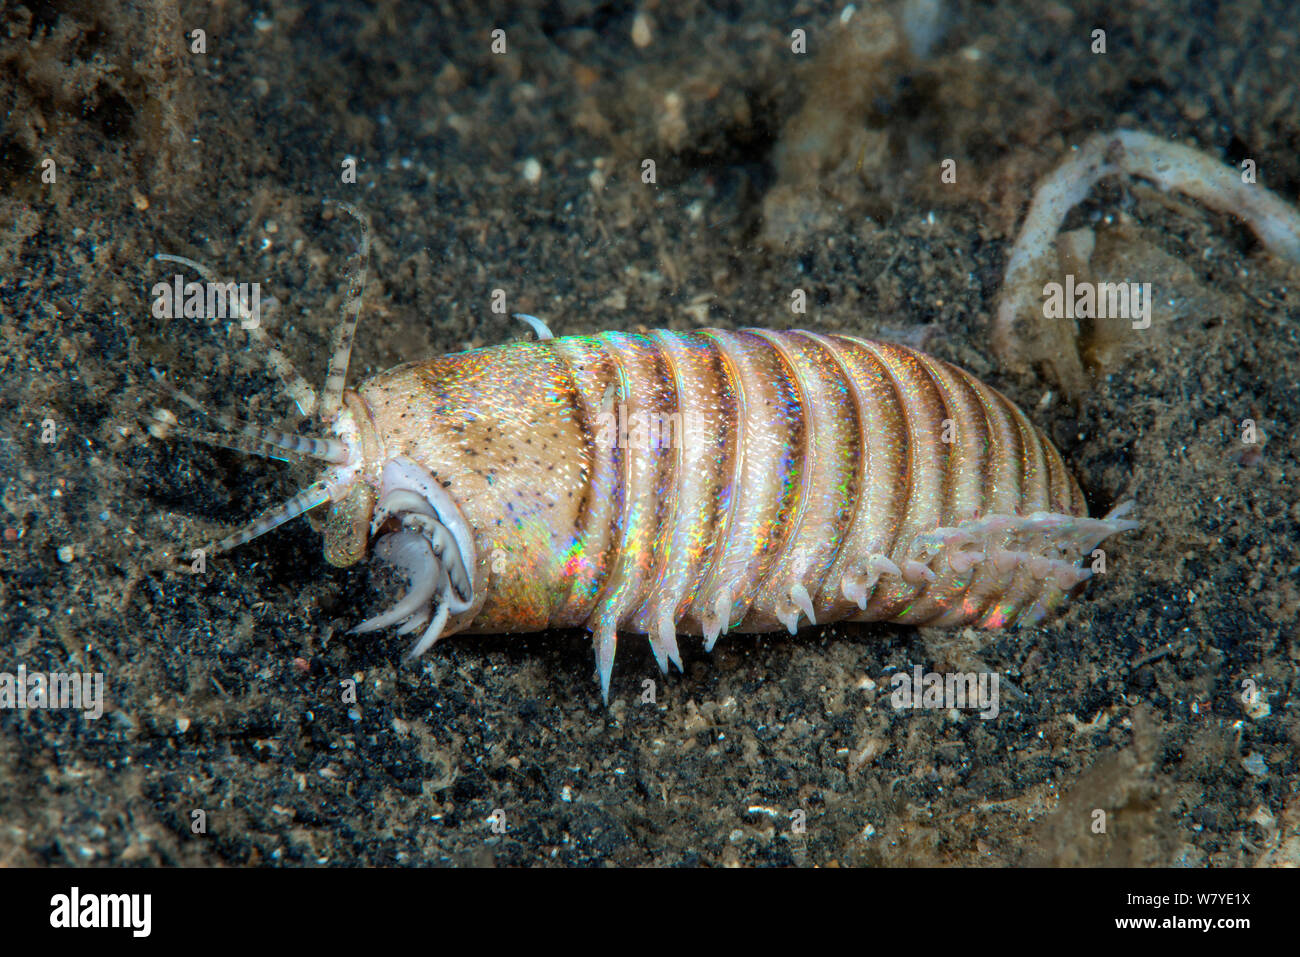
(688, 483)
(700, 483)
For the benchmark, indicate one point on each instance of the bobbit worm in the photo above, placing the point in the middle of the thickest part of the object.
(673, 483)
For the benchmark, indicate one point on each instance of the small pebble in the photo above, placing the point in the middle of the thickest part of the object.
(1257, 706)
(642, 35)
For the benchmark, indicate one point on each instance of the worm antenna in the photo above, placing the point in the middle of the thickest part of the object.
(162, 425)
(337, 376)
(291, 382)
(246, 436)
(307, 499)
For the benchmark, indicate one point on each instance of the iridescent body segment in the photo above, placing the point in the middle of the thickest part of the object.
(699, 483)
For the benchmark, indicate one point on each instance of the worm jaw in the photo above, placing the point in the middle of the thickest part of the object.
(422, 532)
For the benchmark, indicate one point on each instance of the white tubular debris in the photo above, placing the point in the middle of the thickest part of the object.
(1171, 166)
(541, 328)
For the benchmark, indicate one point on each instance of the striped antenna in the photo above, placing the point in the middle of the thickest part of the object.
(337, 376)
(315, 494)
(257, 436)
(291, 382)
(162, 425)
